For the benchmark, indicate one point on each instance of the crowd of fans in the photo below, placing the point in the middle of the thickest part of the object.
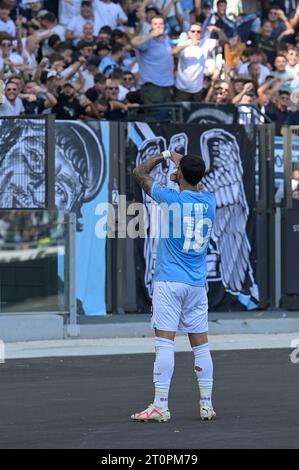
(99, 59)
(21, 229)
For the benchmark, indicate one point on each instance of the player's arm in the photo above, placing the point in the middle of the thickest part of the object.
(142, 173)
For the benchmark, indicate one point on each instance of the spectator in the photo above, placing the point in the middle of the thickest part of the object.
(277, 110)
(31, 13)
(85, 49)
(155, 62)
(255, 56)
(6, 23)
(127, 85)
(74, 28)
(88, 34)
(10, 102)
(248, 112)
(30, 50)
(99, 87)
(234, 8)
(103, 49)
(286, 76)
(68, 10)
(292, 57)
(115, 59)
(10, 61)
(48, 22)
(145, 15)
(192, 54)
(68, 106)
(116, 110)
(90, 71)
(242, 88)
(200, 14)
(222, 20)
(264, 41)
(172, 13)
(255, 73)
(51, 83)
(131, 9)
(108, 13)
(35, 101)
(104, 34)
(49, 26)
(219, 92)
(280, 24)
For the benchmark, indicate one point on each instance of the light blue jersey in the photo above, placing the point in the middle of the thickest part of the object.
(187, 220)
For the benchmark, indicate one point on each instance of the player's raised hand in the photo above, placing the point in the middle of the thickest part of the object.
(176, 158)
(174, 177)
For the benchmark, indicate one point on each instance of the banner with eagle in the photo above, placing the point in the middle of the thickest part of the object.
(229, 153)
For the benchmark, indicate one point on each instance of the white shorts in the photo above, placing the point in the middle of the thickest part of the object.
(179, 306)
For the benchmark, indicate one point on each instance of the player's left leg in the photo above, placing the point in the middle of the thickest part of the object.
(166, 314)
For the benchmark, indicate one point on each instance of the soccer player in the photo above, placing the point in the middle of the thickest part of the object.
(179, 297)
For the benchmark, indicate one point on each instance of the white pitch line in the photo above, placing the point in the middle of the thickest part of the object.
(107, 346)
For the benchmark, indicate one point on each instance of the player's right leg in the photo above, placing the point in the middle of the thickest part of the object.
(195, 322)
(165, 319)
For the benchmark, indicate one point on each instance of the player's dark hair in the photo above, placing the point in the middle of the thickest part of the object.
(193, 168)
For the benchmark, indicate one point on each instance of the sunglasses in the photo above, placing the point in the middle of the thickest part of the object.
(113, 88)
(11, 89)
(6, 44)
(128, 79)
(195, 31)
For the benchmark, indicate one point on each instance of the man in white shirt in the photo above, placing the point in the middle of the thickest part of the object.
(254, 56)
(49, 24)
(127, 84)
(234, 8)
(74, 29)
(10, 103)
(9, 60)
(292, 57)
(6, 23)
(68, 9)
(108, 13)
(193, 54)
(30, 50)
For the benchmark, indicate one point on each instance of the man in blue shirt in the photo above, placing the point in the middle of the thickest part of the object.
(180, 298)
(154, 56)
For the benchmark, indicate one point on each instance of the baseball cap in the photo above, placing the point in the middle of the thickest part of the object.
(68, 84)
(250, 93)
(51, 74)
(94, 60)
(42, 13)
(102, 45)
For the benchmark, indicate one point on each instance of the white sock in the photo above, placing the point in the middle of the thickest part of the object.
(204, 376)
(163, 370)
